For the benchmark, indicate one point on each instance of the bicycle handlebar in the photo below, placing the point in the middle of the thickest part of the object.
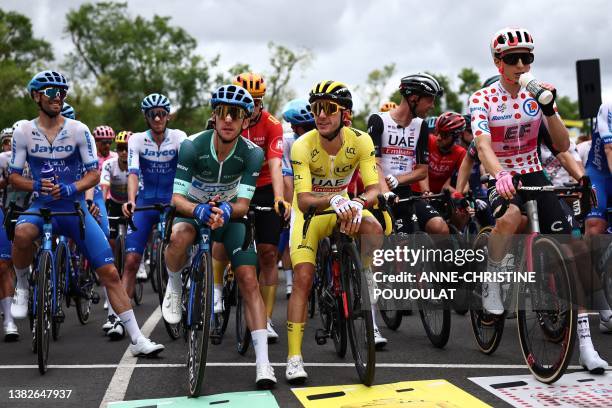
(46, 214)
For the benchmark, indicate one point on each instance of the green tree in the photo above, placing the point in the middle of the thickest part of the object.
(373, 93)
(132, 57)
(450, 101)
(21, 56)
(283, 62)
(470, 82)
(568, 109)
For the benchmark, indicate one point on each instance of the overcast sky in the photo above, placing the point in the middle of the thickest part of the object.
(350, 38)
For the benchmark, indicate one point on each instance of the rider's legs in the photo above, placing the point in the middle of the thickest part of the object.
(135, 243)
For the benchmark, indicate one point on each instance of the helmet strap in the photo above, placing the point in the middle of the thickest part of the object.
(413, 105)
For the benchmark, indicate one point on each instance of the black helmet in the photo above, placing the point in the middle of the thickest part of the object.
(333, 91)
(420, 84)
(490, 81)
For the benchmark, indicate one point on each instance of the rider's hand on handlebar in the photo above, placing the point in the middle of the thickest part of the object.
(285, 207)
(504, 185)
(392, 181)
(128, 208)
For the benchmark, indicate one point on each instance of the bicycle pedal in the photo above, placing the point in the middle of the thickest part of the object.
(95, 298)
(321, 336)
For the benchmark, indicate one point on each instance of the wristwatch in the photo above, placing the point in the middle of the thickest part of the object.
(363, 198)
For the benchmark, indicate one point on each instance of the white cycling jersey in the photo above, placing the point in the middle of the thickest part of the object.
(557, 174)
(288, 139)
(116, 179)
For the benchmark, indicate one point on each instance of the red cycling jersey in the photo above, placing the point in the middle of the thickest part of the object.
(441, 165)
(267, 133)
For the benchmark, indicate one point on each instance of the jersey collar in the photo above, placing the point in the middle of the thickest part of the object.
(214, 153)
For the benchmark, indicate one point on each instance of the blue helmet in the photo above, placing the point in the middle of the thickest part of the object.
(68, 111)
(297, 112)
(233, 95)
(155, 100)
(46, 79)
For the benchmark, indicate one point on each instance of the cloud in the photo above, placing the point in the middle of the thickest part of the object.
(351, 38)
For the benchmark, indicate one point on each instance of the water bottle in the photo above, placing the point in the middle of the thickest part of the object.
(543, 95)
(47, 173)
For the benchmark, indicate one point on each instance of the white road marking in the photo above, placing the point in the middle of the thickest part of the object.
(378, 365)
(121, 379)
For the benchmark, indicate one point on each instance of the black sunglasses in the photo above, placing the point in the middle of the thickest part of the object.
(513, 59)
(151, 114)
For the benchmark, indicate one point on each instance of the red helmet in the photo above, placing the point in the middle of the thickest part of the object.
(450, 122)
(104, 133)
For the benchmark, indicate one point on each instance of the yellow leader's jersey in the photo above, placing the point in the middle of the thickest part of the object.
(316, 171)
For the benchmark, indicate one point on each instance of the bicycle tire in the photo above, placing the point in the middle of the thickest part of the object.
(44, 310)
(392, 318)
(606, 273)
(552, 274)
(221, 320)
(243, 335)
(120, 254)
(435, 315)
(152, 253)
(85, 283)
(199, 331)
(461, 299)
(173, 330)
(358, 307)
(60, 279)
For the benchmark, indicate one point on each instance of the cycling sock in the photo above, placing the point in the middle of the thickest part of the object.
(374, 317)
(5, 304)
(289, 277)
(174, 280)
(110, 307)
(268, 293)
(131, 325)
(218, 269)
(260, 343)
(22, 277)
(295, 332)
(584, 332)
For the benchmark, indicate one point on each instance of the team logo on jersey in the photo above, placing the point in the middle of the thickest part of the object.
(501, 108)
(531, 107)
(350, 152)
(314, 155)
(484, 126)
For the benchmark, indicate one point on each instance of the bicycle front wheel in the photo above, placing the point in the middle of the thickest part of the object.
(43, 310)
(358, 313)
(546, 313)
(151, 257)
(61, 270)
(200, 300)
(84, 298)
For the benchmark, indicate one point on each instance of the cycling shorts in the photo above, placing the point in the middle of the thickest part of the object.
(94, 246)
(231, 235)
(602, 184)
(103, 217)
(267, 224)
(144, 221)
(423, 210)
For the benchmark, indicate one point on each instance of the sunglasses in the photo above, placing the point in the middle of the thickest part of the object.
(152, 114)
(106, 142)
(235, 112)
(513, 59)
(121, 148)
(329, 107)
(52, 93)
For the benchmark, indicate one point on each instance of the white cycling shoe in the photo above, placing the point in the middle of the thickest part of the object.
(142, 272)
(117, 332)
(11, 333)
(146, 347)
(295, 373)
(491, 298)
(379, 341)
(19, 307)
(591, 361)
(265, 378)
(171, 309)
(272, 334)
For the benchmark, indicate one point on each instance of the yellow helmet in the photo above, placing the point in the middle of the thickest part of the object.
(254, 83)
(332, 90)
(122, 137)
(387, 106)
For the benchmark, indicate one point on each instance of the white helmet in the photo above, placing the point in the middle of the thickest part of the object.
(511, 38)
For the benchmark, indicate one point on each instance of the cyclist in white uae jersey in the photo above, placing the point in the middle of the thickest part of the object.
(66, 145)
(506, 120)
(152, 159)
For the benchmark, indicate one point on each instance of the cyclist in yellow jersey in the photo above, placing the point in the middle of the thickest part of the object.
(323, 162)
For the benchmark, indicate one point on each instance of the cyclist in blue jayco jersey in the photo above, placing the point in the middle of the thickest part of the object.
(67, 145)
(152, 157)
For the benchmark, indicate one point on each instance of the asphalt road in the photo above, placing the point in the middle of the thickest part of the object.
(84, 361)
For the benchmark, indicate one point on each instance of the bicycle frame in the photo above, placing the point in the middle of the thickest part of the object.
(194, 272)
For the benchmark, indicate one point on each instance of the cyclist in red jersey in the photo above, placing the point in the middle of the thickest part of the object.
(266, 132)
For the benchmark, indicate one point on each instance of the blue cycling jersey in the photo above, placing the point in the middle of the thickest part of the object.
(602, 135)
(156, 165)
(73, 150)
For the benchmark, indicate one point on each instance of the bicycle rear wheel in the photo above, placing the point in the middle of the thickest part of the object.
(173, 330)
(85, 287)
(61, 270)
(546, 314)
(221, 320)
(435, 313)
(151, 257)
(358, 313)
(487, 329)
(43, 310)
(200, 300)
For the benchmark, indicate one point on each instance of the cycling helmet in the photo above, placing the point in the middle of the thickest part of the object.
(450, 122)
(6, 133)
(68, 111)
(387, 106)
(253, 83)
(420, 84)
(155, 100)
(122, 137)
(233, 95)
(46, 79)
(19, 123)
(297, 112)
(510, 38)
(491, 81)
(334, 91)
(468, 123)
(104, 133)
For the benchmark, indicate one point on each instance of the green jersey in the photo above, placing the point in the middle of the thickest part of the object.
(200, 176)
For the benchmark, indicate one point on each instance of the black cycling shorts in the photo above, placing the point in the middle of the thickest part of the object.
(114, 210)
(423, 210)
(267, 224)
